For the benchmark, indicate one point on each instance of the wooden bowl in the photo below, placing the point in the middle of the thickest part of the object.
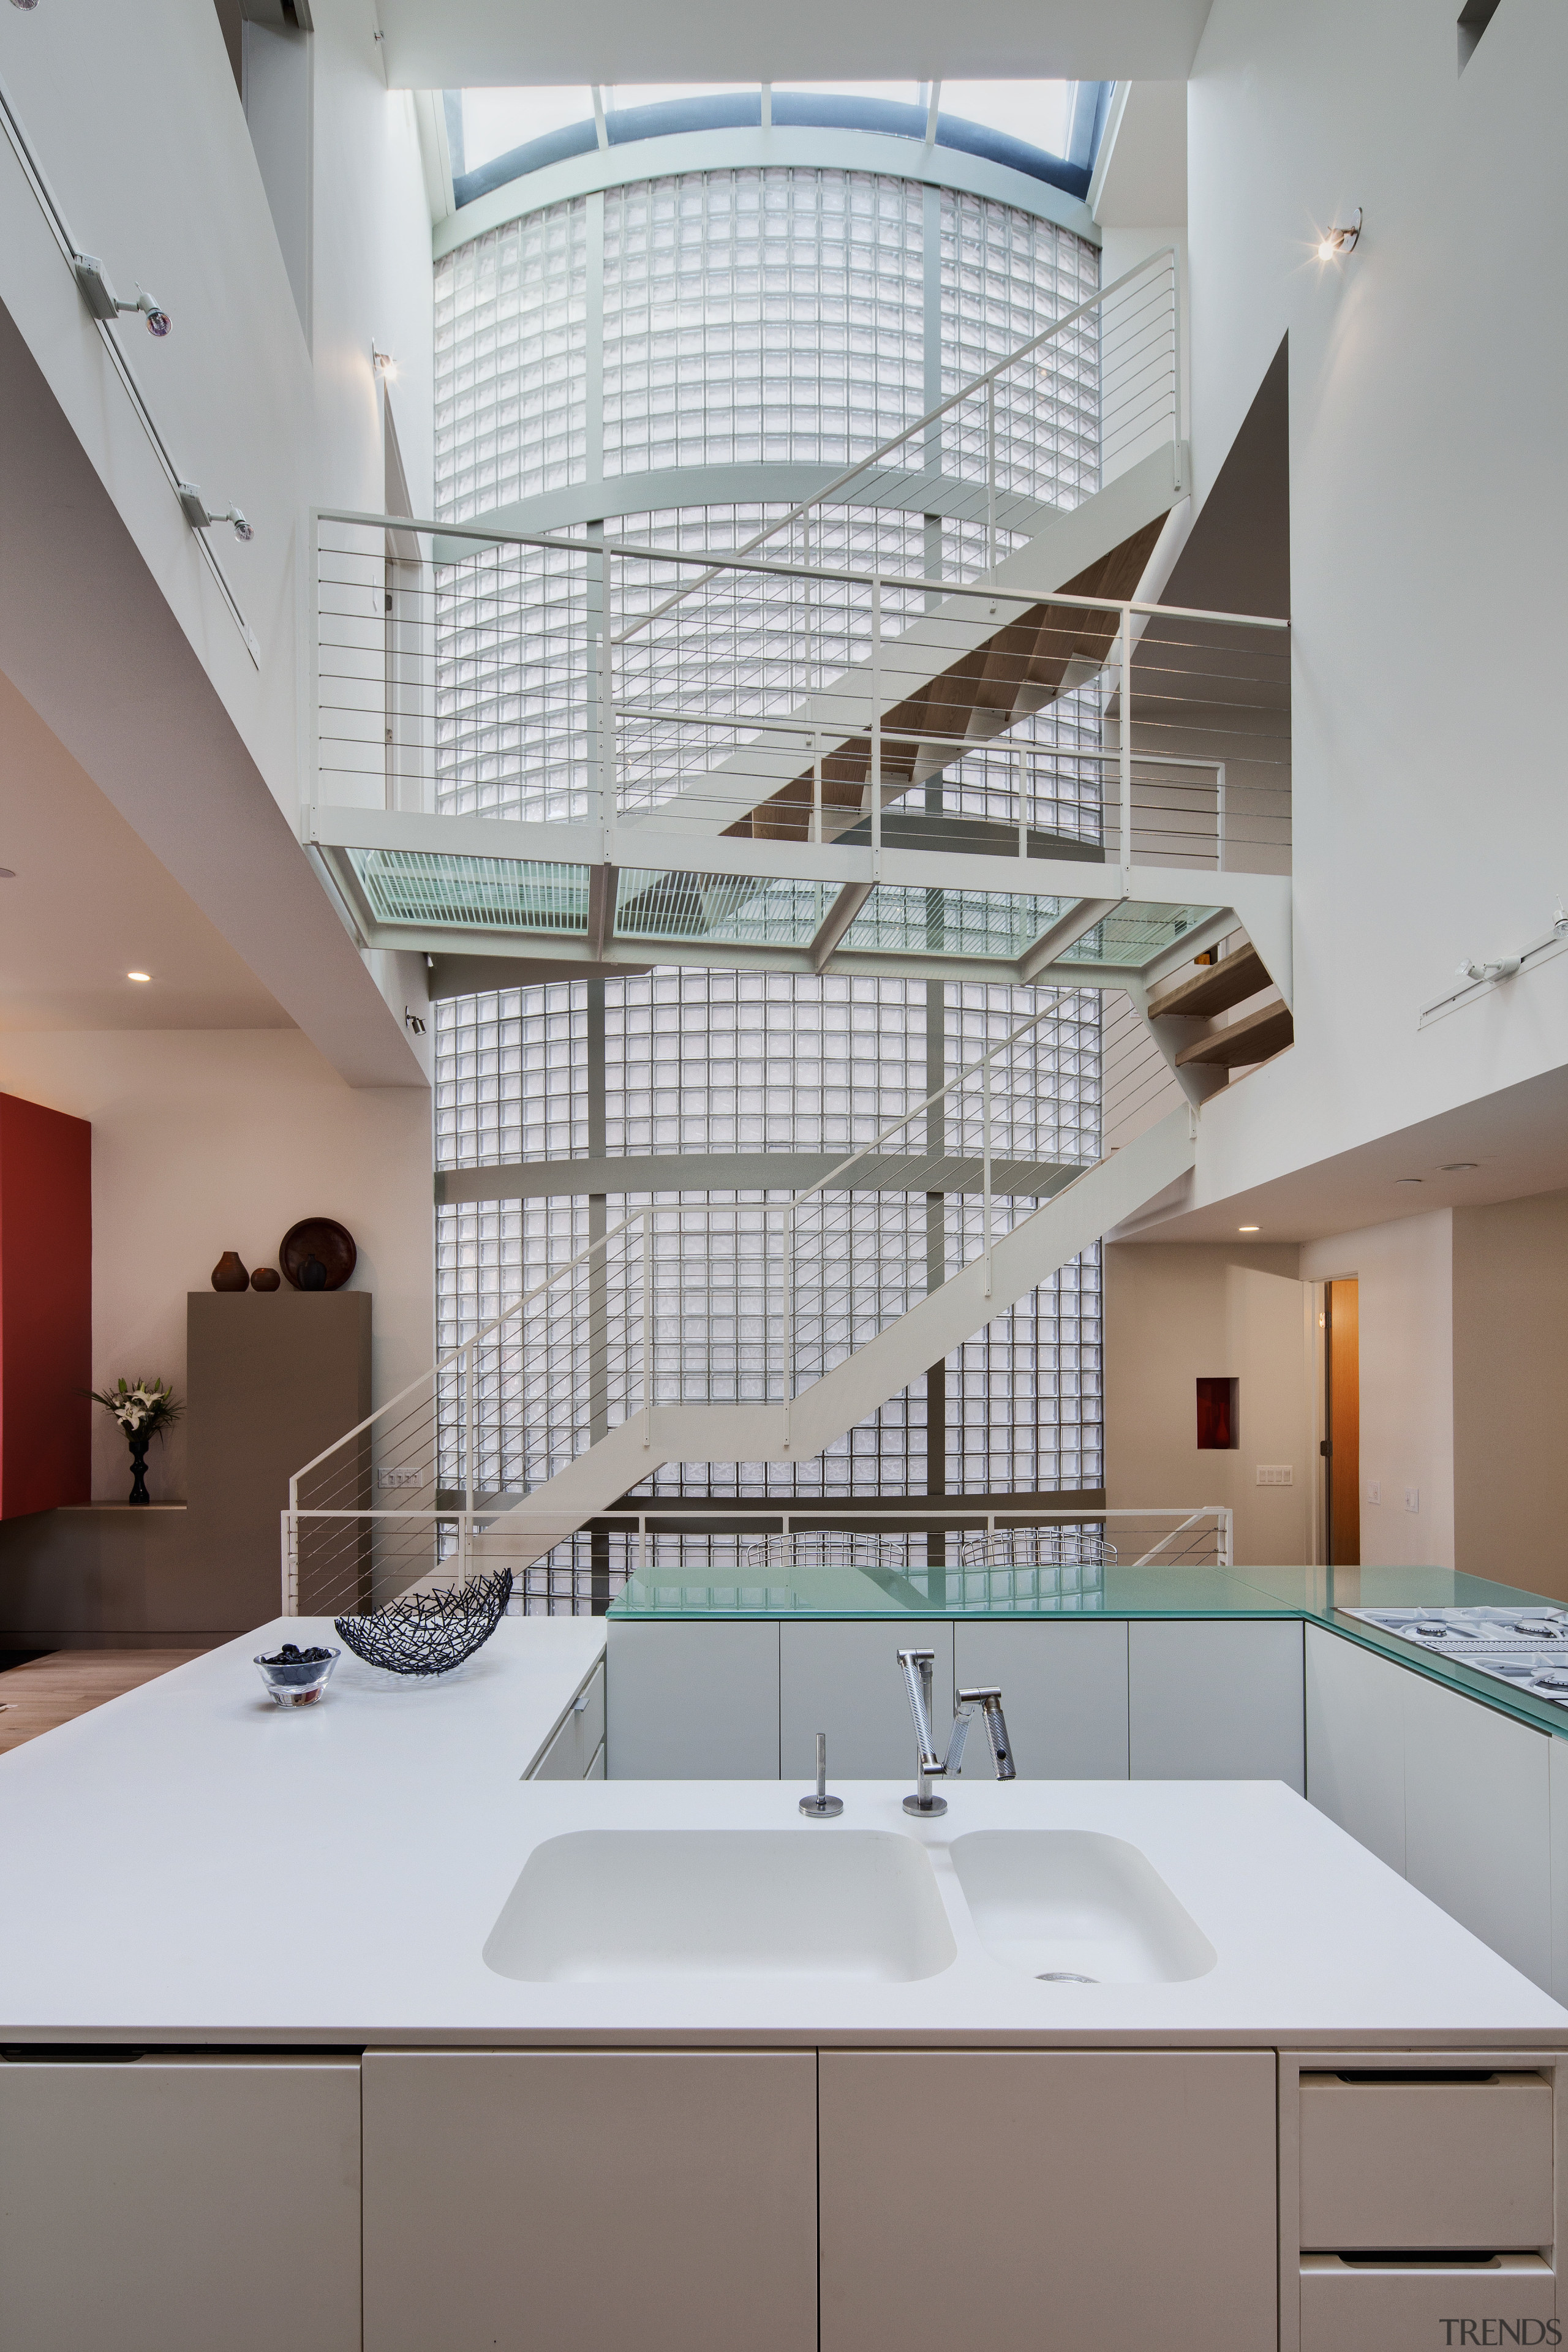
(322, 1238)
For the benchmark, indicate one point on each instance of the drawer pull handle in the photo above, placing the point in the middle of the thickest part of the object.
(1420, 2261)
(1407, 2074)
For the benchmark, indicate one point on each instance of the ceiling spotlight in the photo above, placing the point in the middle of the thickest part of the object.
(1501, 968)
(200, 516)
(138, 975)
(24, 3)
(384, 364)
(1341, 240)
(105, 304)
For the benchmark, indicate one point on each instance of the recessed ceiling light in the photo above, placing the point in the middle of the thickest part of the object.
(7, 873)
(138, 975)
(1407, 1180)
(1458, 1166)
(1246, 1229)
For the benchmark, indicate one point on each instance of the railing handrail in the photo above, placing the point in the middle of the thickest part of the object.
(602, 1241)
(803, 1508)
(923, 423)
(826, 1182)
(495, 535)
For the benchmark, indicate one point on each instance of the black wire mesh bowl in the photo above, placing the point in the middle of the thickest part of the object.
(429, 1633)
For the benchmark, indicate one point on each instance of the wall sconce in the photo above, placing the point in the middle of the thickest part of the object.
(1341, 240)
(201, 517)
(105, 304)
(384, 364)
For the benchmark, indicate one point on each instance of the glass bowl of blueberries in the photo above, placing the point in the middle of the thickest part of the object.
(297, 1677)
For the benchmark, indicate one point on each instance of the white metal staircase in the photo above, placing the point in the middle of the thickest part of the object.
(756, 1332)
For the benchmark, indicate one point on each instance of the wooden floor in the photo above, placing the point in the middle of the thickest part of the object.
(48, 1691)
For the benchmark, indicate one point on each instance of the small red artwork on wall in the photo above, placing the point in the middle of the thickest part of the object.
(1218, 1415)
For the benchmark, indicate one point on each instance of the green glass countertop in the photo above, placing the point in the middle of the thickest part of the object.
(906, 1595)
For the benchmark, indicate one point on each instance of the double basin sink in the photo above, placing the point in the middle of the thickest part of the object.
(1065, 1906)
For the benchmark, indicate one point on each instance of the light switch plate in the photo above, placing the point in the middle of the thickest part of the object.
(1375, 1490)
(1412, 1499)
(1276, 1474)
(400, 1478)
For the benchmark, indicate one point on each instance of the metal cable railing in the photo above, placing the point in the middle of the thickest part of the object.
(746, 1302)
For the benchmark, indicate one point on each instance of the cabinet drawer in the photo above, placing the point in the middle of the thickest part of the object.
(570, 1755)
(1403, 2306)
(1411, 2163)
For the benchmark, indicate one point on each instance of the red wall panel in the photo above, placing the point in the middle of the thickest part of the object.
(46, 1308)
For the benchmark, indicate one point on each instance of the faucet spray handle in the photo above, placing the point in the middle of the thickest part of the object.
(989, 1701)
(821, 1807)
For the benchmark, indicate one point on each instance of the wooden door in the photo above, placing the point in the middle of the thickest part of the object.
(1120, 2200)
(590, 2200)
(180, 2204)
(1342, 1355)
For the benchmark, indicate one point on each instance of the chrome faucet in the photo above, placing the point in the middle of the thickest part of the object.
(917, 1667)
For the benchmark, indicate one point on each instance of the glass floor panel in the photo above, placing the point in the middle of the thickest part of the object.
(902, 918)
(436, 889)
(1135, 934)
(739, 910)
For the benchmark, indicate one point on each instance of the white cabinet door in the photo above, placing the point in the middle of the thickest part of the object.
(1125, 2202)
(845, 1679)
(620, 2200)
(1064, 1692)
(1477, 1821)
(180, 2205)
(569, 1756)
(693, 1701)
(1217, 1700)
(1355, 1742)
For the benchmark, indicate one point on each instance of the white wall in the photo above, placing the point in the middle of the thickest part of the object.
(134, 120)
(1177, 1313)
(205, 1141)
(1405, 1274)
(1428, 456)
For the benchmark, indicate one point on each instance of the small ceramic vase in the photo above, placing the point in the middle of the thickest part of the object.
(266, 1277)
(229, 1273)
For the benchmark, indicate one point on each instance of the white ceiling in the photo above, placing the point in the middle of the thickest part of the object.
(1518, 1140)
(91, 903)
(454, 44)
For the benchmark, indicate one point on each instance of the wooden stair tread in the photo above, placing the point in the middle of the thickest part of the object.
(1215, 987)
(1253, 1038)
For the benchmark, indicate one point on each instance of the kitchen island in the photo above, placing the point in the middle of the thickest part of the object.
(471, 2057)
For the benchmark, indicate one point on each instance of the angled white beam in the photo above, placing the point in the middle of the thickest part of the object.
(836, 921)
(1061, 936)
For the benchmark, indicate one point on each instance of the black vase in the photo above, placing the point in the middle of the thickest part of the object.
(139, 1445)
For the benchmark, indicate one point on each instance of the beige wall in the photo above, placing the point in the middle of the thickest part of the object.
(205, 1141)
(1405, 1276)
(1175, 1314)
(1510, 1392)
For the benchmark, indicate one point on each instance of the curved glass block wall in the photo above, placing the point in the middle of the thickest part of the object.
(653, 338)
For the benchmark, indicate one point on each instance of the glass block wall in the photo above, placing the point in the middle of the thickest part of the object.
(700, 1062)
(743, 317)
(752, 317)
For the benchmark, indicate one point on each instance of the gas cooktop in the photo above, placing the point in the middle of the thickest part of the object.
(1526, 1647)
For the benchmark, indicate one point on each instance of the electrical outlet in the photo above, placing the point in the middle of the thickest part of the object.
(400, 1478)
(1375, 1490)
(1276, 1474)
(1412, 1499)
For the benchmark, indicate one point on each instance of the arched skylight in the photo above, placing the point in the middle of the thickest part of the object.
(524, 127)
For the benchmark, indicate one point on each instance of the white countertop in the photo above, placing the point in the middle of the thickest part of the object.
(190, 1864)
